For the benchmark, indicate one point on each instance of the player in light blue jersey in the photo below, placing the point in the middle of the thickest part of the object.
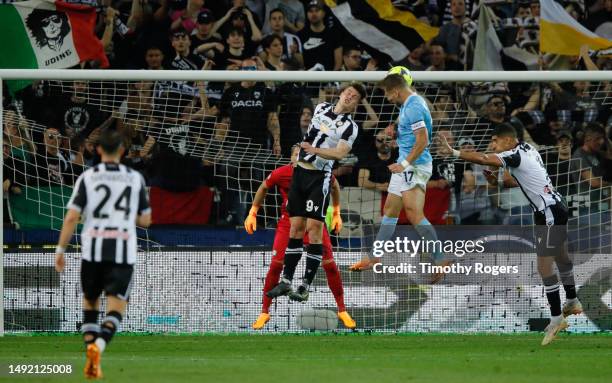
(413, 167)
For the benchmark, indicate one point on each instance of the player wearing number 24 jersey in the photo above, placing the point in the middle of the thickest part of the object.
(112, 199)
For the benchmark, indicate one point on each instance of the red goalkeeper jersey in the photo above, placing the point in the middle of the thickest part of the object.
(281, 177)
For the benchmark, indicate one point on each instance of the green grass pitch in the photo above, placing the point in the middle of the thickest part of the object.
(324, 358)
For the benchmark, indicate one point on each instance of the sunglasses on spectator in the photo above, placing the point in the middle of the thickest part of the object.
(52, 136)
(250, 67)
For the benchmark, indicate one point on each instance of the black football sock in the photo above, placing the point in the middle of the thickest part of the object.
(314, 254)
(293, 254)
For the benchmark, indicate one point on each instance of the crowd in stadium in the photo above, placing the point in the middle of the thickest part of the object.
(272, 35)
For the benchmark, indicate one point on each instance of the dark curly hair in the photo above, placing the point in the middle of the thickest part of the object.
(34, 22)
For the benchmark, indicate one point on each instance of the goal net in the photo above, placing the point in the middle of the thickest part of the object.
(219, 134)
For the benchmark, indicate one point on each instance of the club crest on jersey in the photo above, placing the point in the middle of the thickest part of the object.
(338, 123)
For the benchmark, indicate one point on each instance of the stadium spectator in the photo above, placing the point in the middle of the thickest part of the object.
(455, 33)
(439, 60)
(251, 108)
(322, 50)
(20, 145)
(557, 161)
(293, 11)
(588, 160)
(600, 17)
(76, 115)
(446, 9)
(413, 60)
(292, 46)
(186, 19)
(183, 58)
(273, 46)
(534, 6)
(351, 59)
(295, 114)
(8, 176)
(204, 41)
(52, 166)
(240, 18)
(495, 111)
(473, 203)
(438, 196)
(154, 58)
(76, 156)
(234, 52)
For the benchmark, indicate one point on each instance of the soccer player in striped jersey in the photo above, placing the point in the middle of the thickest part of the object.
(281, 177)
(329, 137)
(412, 169)
(112, 199)
(550, 216)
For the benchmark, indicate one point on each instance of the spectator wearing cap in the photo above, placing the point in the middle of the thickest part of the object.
(240, 17)
(588, 160)
(52, 167)
(351, 59)
(186, 19)
(292, 46)
(205, 43)
(293, 11)
(452, 33)
(322, 50)
(184, 59)
(438, 58)
(494, 113)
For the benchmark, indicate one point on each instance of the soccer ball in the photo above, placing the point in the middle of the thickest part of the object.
(402, 71)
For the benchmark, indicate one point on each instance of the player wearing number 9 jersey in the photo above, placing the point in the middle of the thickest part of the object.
(112, 199)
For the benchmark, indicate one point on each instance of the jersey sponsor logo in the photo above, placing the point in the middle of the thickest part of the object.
(117, 234)
(313, 42)
(257, 94)
(247, 104)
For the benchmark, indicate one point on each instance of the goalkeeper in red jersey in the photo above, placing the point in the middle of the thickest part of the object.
(281, 177)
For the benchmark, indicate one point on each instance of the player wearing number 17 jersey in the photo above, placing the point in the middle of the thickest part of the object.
(112, 199)
(413, 167)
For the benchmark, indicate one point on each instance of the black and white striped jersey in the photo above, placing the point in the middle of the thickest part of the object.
(109, 196)
(325, 131)
(527, 168)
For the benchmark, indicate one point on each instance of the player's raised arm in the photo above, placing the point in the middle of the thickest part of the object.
(473, 156)
(337, 153)
(250, 223)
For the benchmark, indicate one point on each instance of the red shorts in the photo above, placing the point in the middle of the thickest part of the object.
(281, 240)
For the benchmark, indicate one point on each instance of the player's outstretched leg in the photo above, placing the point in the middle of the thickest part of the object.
(385, 232)
(272, 277)
(90, 330)
(334, 281)
(293, 254)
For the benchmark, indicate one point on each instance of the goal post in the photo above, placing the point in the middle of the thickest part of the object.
(240, 165)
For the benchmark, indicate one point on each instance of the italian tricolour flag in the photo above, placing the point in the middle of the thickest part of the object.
(48, 34)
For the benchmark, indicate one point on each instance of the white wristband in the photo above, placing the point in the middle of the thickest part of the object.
(59, 249)
(456, 153)
(405, 163)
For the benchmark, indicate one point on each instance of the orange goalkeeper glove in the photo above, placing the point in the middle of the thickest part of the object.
(250, 223)
(336, 223)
